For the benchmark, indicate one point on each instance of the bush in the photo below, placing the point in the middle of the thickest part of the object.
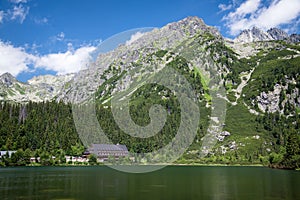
(92, 159)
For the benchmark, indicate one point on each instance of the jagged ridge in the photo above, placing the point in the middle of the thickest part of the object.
(255, 34)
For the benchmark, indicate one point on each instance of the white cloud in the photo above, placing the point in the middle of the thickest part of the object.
(1, 16)
(60, 36)
(68, 62)
(19, 12)
(224, 7)
(14, 59)
(282, 12)
(43, 20)
(134, 37)
(248, 7)
(254, 13)
(18, 1)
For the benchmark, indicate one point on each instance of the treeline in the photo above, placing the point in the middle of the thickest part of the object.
(47, 126)
(286, 133)
(45, 130)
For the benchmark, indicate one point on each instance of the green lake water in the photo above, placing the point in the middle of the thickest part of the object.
(173, 182)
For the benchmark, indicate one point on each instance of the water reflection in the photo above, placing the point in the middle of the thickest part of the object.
(169, 183)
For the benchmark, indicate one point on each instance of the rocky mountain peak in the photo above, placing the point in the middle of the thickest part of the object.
(253, 35)
(294, 38)
(7, 79)
(191, 20)
(277, 34)
(165, 38)
(256, 34)
(255, 30)
(192, 24)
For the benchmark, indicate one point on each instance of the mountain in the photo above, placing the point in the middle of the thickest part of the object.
(294, 38)
(38, 89)
(255, 34)
(126, 56)
(249, 86)
(7, 79)
(277, 34)
(66, 87)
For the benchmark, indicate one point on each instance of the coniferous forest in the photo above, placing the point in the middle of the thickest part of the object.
(47, 130)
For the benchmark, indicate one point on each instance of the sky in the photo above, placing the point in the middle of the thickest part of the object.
(40, 37)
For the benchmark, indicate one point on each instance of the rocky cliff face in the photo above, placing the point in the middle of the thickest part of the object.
(278, 99)
(277, 34)
(270, 101)
(126, 57)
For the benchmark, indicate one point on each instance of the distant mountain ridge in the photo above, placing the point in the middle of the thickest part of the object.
(256, 34)
(38, 89)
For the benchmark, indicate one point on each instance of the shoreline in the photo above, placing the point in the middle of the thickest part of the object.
(144, 165)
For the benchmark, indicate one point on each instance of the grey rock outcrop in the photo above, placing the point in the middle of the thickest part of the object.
(253, 35)
(269, 101)
(294, 38)
(277, 34)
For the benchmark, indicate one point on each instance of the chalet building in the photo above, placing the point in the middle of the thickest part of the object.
(80, 159)
(4, 153)
(103, 151)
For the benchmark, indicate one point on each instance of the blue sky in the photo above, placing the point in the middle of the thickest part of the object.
(56, 36)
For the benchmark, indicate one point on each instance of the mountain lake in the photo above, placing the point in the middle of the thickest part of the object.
(172, 182)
